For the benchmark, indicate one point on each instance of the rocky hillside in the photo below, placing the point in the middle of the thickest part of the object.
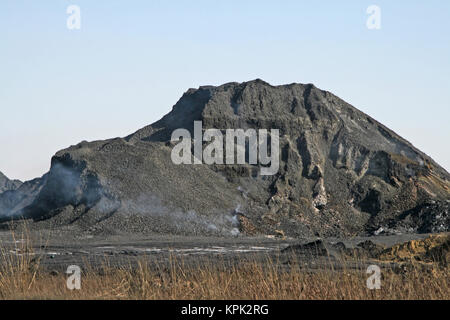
(341, 173)
(6, 184)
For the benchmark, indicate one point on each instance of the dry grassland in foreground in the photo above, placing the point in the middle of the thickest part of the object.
(21, 277)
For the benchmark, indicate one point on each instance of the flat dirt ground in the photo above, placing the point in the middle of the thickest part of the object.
(56, 251)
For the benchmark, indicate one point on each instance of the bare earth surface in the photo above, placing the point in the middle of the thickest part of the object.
(57, 252)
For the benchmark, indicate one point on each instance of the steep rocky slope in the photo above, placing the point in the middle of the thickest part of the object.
(341, 173)
(6, 184)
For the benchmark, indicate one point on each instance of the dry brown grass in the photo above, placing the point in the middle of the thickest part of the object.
(22, 277)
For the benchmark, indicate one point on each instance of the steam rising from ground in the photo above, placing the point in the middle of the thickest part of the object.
(72, 187)
(185, 222)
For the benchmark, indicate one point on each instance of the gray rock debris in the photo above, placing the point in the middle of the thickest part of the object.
(341, 173)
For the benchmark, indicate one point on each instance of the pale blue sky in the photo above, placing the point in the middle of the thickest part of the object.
(132, 60)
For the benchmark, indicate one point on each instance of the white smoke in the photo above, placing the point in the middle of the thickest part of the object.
(186, 222)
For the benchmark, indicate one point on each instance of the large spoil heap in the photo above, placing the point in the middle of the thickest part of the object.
(341, 173)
